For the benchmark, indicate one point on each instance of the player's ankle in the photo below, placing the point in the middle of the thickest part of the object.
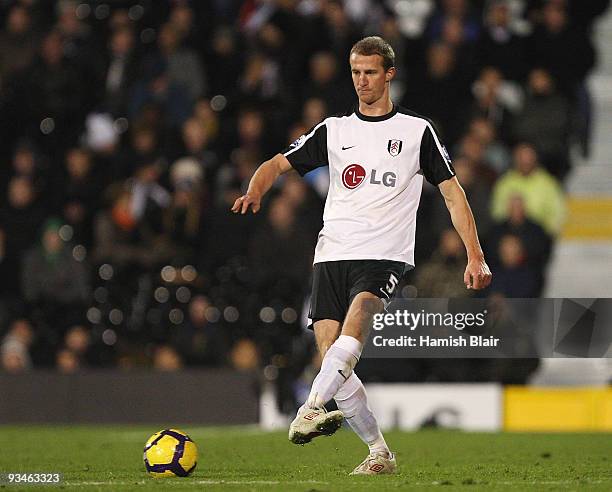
(380, 447)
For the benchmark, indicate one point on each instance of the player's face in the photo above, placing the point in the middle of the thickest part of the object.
(369, 77)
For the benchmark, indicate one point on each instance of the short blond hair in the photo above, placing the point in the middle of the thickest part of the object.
(375, 45)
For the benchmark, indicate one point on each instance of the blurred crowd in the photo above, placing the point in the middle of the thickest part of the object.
(128, 128)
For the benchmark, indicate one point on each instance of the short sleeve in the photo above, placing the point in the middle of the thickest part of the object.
(434, 159)
(309, 151)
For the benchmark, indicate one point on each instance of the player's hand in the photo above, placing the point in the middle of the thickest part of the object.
(242, 204)
(477, 274)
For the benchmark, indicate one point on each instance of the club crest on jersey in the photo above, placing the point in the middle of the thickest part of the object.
(353, 176)
(394, 147)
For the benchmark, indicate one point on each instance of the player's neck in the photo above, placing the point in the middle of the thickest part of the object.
(378, 108)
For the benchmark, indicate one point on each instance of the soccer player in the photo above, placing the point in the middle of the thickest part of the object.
(377, 155)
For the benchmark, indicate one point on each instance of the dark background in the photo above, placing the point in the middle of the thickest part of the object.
(127, 130)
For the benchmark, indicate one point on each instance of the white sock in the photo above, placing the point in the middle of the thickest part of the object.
(353, 402)
(336, 368)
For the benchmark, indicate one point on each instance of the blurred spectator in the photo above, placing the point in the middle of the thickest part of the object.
(558, 47)
(27, 162)
(545, 120)
(209, 119)
(495, 153)
(121, 240)
(565, 50)
(21, 220)
(143, 146)
(454, 9)
(18, 41)
(227, 231)
(314, 112)
(474, 148)
(541, 192)
(500, 46)
(325, 83)
(494, 99)
(183, 220)
(340, 33)
(197, 135)
(157, 89)
(101, 135)
(200, 340)
(50, 90)
(513, 277)
(77, 34)
(455, 35)
(78, 341)
(537, 244)
(15, 347)
(119, 70)
(167, 359)
(260, 81)
(252, 135)
(180, 64)
(442, 276)
(244, 355)
(77, 194)
(228, 60)
(280, 253)
(182, 20)
(67, 361)
(436, 89)
(307, 205)
(51, 275)
(148, 198)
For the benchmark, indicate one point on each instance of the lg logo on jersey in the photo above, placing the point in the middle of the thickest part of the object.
(354, 174)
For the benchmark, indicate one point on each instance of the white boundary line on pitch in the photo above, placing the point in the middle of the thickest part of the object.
(199, 482)
(319, 482)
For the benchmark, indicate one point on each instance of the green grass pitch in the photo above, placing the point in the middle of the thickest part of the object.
(109, 458)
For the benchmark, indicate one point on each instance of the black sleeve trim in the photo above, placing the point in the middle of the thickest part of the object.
(434, 159)
(309, 151)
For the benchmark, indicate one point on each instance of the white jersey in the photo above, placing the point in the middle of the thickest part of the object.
(376, 169)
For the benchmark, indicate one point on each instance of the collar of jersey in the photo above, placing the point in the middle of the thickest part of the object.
(384, 117)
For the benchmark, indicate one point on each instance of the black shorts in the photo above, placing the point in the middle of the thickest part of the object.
(336, 283)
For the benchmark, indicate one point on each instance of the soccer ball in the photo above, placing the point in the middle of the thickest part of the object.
(170, 453)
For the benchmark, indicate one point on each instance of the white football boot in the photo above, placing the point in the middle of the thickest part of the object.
(376, 464)
(313, 422)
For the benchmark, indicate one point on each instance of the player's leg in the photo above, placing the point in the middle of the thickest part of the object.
(312, 422)
(326, 332)
(351, 398)
(352, 401)
(338, 362)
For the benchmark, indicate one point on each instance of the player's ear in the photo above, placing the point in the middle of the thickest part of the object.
(390, 74)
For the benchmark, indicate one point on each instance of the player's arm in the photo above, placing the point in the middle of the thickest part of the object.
(477, 274)
(260, 183)
(305, 154)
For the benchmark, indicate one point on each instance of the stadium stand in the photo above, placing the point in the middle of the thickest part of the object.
(129, 128)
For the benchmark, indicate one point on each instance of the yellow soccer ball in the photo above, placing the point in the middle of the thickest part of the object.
(170, 453)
